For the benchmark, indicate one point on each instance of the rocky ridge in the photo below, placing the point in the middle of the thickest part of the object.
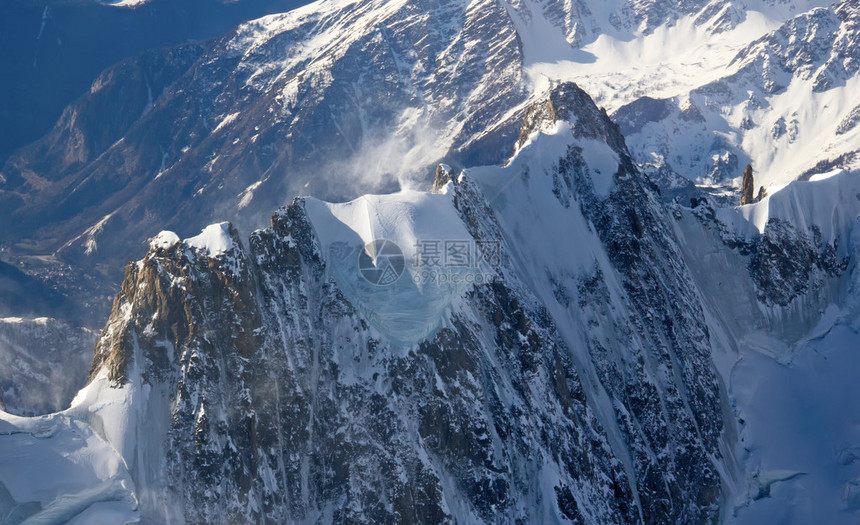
(279, 401)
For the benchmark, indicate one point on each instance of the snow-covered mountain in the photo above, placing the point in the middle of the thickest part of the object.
(788, 105)
(54, 49)
(276, 382)
(567, 330)
(296, 103)
(595, 345)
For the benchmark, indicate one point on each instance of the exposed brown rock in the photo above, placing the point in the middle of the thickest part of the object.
(444, 175)
(747, 196)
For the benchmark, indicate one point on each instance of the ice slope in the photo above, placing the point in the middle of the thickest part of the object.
(570, 205)
(798, 427)
(55, 469)
(829, 203)
(800, 430)
(790, 371)
(555, 255)
(412, 307)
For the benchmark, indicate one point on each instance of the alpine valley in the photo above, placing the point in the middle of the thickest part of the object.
(437, 261)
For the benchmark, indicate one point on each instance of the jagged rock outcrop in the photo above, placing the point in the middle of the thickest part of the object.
(444, 175)
(568, 102)
(747, 186)
(789, 259)
(786, 262)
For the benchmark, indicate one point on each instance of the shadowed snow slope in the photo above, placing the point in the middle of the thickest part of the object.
(56, 469)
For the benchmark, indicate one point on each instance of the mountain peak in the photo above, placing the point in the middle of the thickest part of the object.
(569, 103)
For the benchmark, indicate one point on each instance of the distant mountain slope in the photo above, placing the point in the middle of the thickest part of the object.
(787, 104)
(54, 49)
(43, 363)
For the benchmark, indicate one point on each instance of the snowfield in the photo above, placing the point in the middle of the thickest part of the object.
(800, 431)
(731, 100)
(55, 469)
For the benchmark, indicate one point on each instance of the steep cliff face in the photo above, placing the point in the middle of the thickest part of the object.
(276, 382)
(614, 286)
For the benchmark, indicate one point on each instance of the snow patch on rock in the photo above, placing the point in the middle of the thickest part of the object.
(214, 240)
(164, 240)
